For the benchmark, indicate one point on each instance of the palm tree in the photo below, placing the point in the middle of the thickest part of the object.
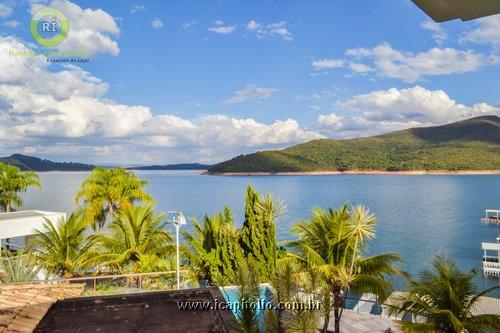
(19, 267)
(107, 190)
(443, 300)
(329, 245)
(362, 226)
(61, 247)
(213, 247)
(246, 280)
(135, 232)
(13, 181)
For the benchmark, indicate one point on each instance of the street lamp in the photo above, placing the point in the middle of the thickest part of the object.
(178, 219)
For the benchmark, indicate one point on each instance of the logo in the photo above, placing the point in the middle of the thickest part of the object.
(49, 27)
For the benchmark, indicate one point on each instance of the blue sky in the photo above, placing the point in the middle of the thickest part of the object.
(205, 80)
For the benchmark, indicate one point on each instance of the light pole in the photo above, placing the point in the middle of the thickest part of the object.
(178, 219)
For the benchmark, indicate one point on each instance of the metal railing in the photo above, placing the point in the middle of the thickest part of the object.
(121, 283)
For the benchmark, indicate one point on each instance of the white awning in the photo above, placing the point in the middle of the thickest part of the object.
(445, 10)
(24, 223)
(491, 246)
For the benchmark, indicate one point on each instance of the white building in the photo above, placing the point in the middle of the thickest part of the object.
(17, 228)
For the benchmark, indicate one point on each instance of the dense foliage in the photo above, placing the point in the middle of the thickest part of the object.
(472, 144)
(61, 246)
(213, 247)
(135, 239)
(217, 248)
(259, 232)
(14, 182)
(332, 246)
(444, 299)
(17, 267)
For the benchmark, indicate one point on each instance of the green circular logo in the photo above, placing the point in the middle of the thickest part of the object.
(49, 27)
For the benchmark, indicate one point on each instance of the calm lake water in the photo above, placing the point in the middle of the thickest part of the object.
(419, 215)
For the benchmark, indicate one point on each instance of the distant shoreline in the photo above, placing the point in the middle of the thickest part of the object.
(358, 172)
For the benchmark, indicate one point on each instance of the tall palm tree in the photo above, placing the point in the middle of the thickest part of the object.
(61, 247)
(327, 244)
(362, 226)
(135, 232)
(13, 182)
(107, 190)
(19, 267)
(443, 300)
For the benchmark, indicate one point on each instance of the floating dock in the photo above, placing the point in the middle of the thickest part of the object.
(491, 258)
(492, 216)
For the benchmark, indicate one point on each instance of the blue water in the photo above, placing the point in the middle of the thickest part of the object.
(419, 215)
(232, 297)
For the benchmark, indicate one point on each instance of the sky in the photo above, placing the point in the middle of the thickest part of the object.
(203, 81)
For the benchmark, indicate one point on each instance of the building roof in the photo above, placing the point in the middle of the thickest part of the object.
(487, 305)
(445, 10)
(22, 306)
(23, 223)
(141, 312)
(490, 246)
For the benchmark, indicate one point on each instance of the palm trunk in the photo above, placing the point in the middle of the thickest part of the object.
(337, 320)
(326, 323)
(337, 304)
(354, 254)
(8, 207)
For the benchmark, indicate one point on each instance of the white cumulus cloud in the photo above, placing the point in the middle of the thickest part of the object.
(219, 28)
(249, 93)
(393, 109)
(327, 63)
(486, 32)
(157, 23)
(411, 67)
(438, 33)
(64, 114)
(270, 30)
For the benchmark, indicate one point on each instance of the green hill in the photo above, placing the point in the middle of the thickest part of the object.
(472, 144)
(37, 164)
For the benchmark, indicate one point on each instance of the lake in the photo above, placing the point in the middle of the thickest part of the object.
(419, 215)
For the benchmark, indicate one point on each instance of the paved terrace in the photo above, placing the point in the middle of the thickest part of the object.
(354, 322)
(142, 312)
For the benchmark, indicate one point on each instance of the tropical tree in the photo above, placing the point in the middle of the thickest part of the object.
(135, 232)
(213, 247)
(18, 267)
(329, 245)
(246, 280)
(13, 182)
(443, 299)
(286, 281)
(258, 239)
(61, 247)
(107, 190)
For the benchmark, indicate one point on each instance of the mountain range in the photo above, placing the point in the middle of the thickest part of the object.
(37, 164)
(472, 144)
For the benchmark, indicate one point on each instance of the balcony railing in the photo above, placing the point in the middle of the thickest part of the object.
(124, 283)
